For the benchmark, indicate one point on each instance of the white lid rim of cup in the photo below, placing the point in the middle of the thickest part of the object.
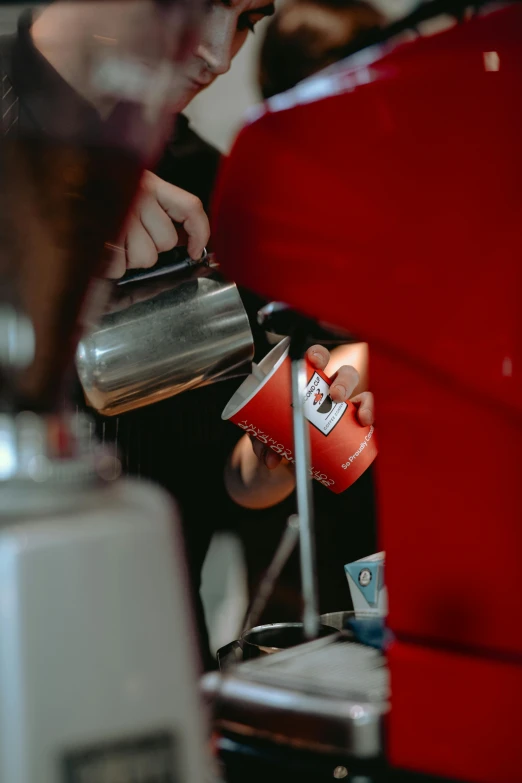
(278, 353)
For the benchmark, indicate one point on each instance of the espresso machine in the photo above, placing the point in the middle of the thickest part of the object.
(98, 662)
(391, 186)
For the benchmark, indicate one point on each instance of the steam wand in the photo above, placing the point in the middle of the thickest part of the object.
(303, 482)
(299, 327)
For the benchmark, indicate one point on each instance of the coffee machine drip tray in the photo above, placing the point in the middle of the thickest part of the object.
(329, 695)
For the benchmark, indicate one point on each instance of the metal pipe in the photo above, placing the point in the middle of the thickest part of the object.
(304, 500)
(266, 587)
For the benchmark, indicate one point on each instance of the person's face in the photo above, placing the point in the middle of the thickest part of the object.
(225, 30)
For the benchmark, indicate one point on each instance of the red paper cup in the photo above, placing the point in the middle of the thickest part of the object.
(341, 448)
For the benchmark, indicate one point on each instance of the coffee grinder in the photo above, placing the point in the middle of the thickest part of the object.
(98, 667)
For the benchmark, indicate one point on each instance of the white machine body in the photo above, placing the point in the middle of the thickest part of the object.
(98, 661)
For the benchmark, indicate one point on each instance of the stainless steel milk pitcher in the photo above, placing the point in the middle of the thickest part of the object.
(164, 332)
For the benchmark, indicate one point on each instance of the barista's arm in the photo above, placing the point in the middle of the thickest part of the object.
(161, 215)
(180, 189)
(255, 476)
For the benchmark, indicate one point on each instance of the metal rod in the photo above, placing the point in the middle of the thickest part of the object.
(304, 500)
(266, 587)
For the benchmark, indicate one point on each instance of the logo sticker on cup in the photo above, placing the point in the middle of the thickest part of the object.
(319, 408)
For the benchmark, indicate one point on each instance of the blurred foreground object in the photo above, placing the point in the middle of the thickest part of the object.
(66, 187)
(384, 197)
(98, 650)
(97, 666)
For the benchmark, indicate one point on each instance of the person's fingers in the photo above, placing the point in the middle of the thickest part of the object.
(198, 229)
(345, 379)
(157, 223)
(270, 458)
(258, 447)
(116, 266)
(140, 249)
(343, 383)
(265, 454)
(318, 356)
(365, 404)
(183, 208)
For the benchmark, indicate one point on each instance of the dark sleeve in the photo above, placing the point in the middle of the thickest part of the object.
(190, 162)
